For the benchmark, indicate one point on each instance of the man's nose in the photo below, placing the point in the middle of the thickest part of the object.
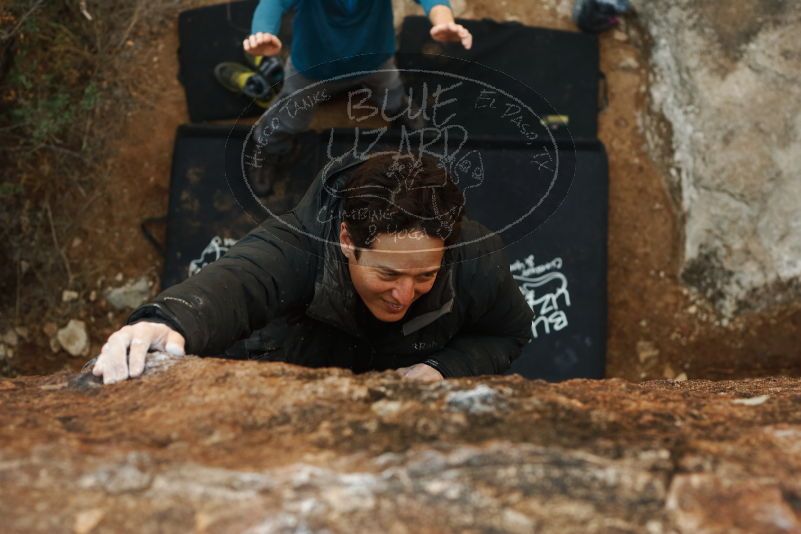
(403, 292)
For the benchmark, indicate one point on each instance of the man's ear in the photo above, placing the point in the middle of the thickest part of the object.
(345, 242)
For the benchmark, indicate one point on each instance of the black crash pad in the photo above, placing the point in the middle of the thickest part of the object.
(209, 207)
(560, 265)
(208, 36)
(561, 67)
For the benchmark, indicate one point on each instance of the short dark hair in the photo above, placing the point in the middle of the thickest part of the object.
(394, 193)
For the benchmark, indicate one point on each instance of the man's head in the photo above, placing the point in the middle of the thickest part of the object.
(398, 215)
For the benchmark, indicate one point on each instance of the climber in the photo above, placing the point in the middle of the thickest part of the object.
(330, 39)
(376, 268)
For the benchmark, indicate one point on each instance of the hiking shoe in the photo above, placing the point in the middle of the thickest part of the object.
(271, 69)
(240, 79)
(596, 16)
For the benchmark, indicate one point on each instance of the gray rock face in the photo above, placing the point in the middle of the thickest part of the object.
(206, 445)
(727, 78)
(132, 295)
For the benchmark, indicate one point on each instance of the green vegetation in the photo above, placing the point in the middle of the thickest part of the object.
(48, 87)
(65, 84)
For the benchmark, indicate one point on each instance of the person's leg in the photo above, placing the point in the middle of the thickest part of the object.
(387, 86)
(290, 113)
(389, 94)
(272, 149)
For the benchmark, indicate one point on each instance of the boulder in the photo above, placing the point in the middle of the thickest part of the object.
(131, 295)
(211, 445)
(726, 81)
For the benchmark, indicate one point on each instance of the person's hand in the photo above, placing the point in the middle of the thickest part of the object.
(262, 44)
(421, 372)
(124, 353)
(451, 32)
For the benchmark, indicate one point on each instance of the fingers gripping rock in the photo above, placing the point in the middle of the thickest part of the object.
(125, 354)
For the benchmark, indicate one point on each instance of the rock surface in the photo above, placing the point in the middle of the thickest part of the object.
(73, 338)
(131, 295)
(210, 445)
(727, 78)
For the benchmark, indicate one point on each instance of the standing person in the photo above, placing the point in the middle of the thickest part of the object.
(330, 39)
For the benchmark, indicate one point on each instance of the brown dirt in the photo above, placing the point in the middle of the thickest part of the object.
(134, 185)
(656, 327)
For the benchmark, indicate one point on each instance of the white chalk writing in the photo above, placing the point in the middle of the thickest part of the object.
(543, 286)
(215, 250)
(511, 111)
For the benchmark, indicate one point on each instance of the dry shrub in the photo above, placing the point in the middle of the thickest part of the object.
(63, 89)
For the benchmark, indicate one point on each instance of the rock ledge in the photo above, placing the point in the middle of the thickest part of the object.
(220, 446)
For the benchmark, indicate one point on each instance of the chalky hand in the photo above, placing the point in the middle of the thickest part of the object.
(123, 355)
(262, 44)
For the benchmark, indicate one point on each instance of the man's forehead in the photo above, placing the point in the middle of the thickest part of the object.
(399, 260)
(404, 270)
(407, 241)
(402, 261)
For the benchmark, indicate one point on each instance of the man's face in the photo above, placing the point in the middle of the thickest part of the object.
(394, 272)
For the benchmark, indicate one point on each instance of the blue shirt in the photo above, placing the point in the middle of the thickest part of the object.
(327, 30)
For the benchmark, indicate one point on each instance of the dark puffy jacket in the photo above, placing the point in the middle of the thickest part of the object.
(292, 294)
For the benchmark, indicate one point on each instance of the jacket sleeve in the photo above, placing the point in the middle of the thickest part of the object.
(428, 4)
(266, 273)
(267, 16)
(498, 326)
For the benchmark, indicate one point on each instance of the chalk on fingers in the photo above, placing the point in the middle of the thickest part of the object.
(174, 349)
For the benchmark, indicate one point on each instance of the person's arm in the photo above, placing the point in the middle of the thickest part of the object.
(443, 26)
(263, 39)
(264, 274)
(500, 328)
(269, 271)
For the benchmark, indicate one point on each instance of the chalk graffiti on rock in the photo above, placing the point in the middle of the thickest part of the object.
(545, 289)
